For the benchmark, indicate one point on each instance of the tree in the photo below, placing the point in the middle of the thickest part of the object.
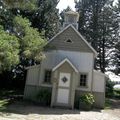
(46, 17)
(24, 4)
(31, 41)
(116, 59)
(114, 54)
(31, 45)
(9, 50)
(43, 22)
(99, 25)
(6, 16)
(42, 14)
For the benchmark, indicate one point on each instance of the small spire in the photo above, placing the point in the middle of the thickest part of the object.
(71, 17)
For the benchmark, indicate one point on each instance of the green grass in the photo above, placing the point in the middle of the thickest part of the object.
(9, 96)
(3, 104)
(108, 104)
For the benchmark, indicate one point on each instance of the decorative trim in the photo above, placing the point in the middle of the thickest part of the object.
(62, 62)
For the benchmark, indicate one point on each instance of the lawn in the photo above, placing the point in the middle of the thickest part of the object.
(108, 104)
(3, 104)
(9, 96)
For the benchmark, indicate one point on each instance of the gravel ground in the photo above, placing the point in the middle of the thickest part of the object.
(23, 111)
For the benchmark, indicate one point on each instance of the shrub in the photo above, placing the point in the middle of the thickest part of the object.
(86, 101)
(109, 89)
(117, 93)
(44, 97)
(87, 98)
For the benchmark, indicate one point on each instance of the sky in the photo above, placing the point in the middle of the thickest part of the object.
(64, 3)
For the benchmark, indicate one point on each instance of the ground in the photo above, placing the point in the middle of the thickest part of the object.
(20, 110)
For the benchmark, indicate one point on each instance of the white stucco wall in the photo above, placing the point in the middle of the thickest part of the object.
(98, 82)
(81, 60)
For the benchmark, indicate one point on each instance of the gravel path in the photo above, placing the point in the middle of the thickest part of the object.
(21, 111)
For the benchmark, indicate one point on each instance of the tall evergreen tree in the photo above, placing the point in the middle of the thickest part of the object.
(115, 53)
(6, 16)
(98, 24)
(31, 45)
(46, 17)
(43, 16)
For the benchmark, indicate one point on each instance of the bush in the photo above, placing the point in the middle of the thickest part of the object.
(87, 98)
(117, 93)
(86, 101)
(44, 97)
(109, 89)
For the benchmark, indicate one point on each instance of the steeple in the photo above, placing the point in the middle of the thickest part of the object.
(71, 17)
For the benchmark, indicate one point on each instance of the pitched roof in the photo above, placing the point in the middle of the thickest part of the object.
(83, 41)
(71, 12)
(62, 62)
(32, 67)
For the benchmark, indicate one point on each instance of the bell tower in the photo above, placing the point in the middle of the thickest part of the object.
(71, 17)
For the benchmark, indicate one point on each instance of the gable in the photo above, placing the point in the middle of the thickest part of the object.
(65, 61)
(76, 43)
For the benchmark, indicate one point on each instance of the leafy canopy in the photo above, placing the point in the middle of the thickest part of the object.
(9, 49)
(31, 41)
(27, 42)
(29, 4)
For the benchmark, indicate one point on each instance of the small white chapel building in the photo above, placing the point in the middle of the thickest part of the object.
(68, 69)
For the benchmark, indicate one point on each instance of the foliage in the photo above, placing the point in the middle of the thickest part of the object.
(115, 59)
(3, 104)
(31, 46)
(44, 96)
(87, 98)
(7, 97)
(108, 103)
(117, 93)
(46, 17)
(9, 50)
(109, 88)
(42, 14)
(28, 48)
(85, 101)
(14, 17)
(31, 41)
(24, 4)
(6, 16)
(100, 25)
